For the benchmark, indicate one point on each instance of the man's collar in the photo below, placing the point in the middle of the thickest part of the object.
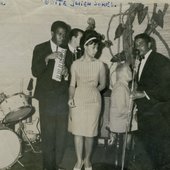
(53, 46)
(147, 54)
(71, 48)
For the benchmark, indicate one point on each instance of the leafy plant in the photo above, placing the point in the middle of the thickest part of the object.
(125, 28)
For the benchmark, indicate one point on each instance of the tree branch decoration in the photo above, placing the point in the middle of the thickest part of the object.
(125, 28)
(104, 43)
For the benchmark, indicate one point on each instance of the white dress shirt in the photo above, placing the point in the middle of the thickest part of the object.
(53, 46)
(143, 63)
(141, 69)
(71, 48)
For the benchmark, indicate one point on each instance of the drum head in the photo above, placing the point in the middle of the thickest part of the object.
(9, 148)
(20, 114)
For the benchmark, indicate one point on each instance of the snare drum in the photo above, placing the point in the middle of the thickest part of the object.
(10, 148)
(15, 108)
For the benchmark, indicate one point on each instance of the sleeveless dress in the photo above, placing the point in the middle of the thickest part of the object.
(87, 98)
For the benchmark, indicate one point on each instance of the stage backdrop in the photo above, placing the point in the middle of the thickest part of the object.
(23, 24)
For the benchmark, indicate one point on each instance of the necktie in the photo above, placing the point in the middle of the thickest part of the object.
(75, 54)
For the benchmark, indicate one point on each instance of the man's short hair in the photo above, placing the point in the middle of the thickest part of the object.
(143, 36)
(60, 24)
(74, 32)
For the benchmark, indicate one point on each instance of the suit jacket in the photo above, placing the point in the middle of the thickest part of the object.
(155, 81)
(45, 85)
(70, 57)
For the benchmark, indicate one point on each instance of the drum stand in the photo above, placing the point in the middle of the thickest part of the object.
(20, 163)
(21, 127)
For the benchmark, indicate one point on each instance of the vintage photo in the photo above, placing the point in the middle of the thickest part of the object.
(85, 85)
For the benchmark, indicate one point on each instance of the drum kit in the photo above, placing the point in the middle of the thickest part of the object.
(14, 108)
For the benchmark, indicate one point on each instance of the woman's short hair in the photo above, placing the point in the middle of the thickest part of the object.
(89, 37)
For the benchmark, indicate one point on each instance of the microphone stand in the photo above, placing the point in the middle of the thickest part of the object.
(131, 108)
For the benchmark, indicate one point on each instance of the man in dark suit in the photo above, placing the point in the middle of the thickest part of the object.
(73, 51)
(154, 108)
(52, 95)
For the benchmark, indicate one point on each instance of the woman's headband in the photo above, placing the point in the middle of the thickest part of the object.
(93, 38)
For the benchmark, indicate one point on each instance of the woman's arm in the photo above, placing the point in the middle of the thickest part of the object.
(102, 78)
(71, 96)
(72, 87)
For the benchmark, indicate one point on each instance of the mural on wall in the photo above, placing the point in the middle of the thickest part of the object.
(23, 25)
(125, 28)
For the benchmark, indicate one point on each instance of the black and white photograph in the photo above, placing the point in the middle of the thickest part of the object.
(85, 85)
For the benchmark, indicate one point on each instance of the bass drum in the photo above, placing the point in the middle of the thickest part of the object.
(10, 148)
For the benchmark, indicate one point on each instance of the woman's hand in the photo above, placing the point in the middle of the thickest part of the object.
(71, 103)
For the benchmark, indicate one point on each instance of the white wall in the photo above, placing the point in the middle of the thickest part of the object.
(25, 23)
